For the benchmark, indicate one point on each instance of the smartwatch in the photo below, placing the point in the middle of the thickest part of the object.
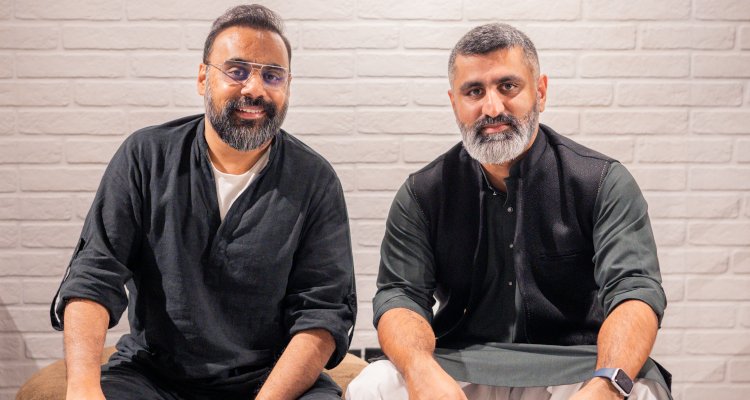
(620, 380)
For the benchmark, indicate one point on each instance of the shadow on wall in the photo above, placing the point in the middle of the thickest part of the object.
(28, 342)
(15, 366)
(701, 377)
(700, 346)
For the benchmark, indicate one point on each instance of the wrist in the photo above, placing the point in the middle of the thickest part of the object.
(604, 385)
(615, 379)
(419, 365)
(84, 382)
(84, 390)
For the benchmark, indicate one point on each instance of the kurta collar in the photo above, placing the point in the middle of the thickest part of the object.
(519, 169)
(526, 164)
(200, 137)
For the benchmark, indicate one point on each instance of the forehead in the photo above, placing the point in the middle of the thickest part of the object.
(491, 66)
(249, 44)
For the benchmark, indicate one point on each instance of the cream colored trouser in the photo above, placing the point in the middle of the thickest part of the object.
(382, 381)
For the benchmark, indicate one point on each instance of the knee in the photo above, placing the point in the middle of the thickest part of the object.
(359, 389)
(378, 381)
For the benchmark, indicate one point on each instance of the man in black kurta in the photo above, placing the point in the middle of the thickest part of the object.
(230, 295)
(538, 251)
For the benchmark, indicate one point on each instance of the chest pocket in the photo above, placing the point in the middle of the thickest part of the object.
(565, 275)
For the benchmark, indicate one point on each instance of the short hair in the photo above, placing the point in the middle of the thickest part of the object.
(253, 16)
(485, 39)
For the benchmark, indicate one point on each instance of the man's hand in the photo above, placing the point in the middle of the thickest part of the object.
(409, 342)
(427, 381)
(597, 389)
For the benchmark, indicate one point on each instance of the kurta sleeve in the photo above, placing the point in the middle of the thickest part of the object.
(625, 257)
(321, 290)
(406, 278)
(99, 267)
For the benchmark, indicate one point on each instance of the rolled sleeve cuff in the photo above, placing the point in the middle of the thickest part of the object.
(114, 300)
(384, 302)
(339, 328)
(646, 290)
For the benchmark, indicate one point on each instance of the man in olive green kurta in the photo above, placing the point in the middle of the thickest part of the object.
(538, 306)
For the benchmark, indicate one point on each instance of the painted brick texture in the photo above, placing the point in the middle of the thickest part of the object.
(663, 86)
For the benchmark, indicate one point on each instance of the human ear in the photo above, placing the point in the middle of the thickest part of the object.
(201, 82)
(541, 91)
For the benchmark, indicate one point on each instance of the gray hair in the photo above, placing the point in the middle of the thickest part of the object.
(251, 16)
(485, 39)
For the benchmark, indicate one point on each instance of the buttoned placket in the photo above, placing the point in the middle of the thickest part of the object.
(509, 233)
(504, 215)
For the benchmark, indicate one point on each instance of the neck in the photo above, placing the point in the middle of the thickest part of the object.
(228, 159)
(496, 174)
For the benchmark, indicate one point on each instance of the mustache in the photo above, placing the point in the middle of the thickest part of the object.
(236, 104)
(499, 119)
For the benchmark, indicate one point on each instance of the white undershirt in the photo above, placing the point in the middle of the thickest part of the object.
(229, 186)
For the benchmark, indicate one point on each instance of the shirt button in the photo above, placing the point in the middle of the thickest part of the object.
(510, 209)
(510, 245)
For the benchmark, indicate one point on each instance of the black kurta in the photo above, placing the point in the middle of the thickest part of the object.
(214, 302)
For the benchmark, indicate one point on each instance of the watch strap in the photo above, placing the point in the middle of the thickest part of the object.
(611, 375)
(605, 373)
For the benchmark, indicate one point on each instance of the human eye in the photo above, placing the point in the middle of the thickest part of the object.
(273, 76)
(474, 92)
(237, 72)
(508, 86)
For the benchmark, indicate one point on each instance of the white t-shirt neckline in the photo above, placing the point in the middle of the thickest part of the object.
(230, 186)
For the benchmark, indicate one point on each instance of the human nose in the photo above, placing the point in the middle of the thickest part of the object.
(493, 104)
(253, 86)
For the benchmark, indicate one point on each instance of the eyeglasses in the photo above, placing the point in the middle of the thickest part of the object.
(239, 73)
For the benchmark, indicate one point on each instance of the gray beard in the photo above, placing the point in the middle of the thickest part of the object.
(244, 135)
(503, 147)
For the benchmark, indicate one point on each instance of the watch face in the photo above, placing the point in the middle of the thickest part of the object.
(624, 381)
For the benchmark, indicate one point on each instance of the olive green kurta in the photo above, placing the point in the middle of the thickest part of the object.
(490, 353)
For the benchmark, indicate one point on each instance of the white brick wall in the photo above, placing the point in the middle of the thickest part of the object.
(662, 86)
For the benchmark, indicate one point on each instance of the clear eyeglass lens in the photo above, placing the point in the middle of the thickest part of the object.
(239, 72)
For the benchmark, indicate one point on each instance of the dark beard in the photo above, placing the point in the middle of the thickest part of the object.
(244, 135)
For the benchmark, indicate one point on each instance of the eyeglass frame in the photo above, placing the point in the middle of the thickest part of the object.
(253, 67)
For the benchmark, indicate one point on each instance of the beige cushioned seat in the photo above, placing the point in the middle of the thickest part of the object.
(49, 382)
